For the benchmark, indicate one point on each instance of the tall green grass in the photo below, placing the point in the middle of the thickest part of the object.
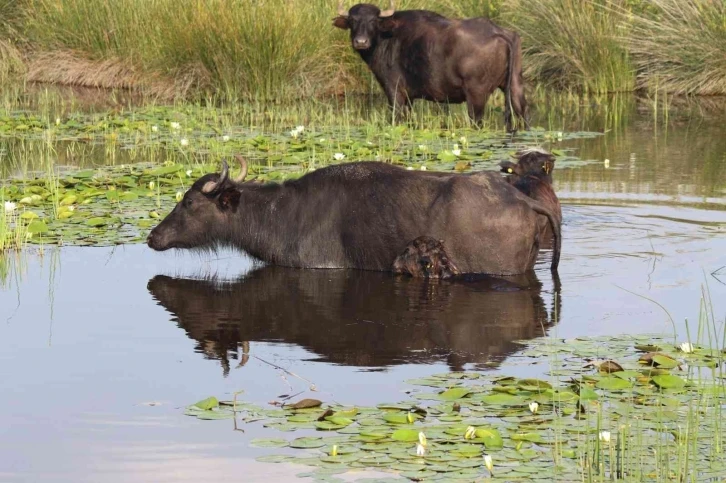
(573, 43)
(285, 49)
(680, 46)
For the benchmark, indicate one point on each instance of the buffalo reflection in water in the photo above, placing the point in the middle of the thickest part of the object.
(357, 318)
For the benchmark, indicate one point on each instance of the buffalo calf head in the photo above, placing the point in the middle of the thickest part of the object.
(530, 162)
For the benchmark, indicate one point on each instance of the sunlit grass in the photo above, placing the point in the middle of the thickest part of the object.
(269, 50)
(573, 43)
(681, 47)
(13, 229)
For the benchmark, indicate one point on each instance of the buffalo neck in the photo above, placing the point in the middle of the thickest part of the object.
(381, 56)
(266, 223)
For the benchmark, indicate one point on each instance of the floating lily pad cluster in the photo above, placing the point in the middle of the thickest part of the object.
(117, 204)
(96, 207)
(634, 409)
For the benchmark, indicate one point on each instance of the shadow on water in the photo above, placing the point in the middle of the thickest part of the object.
(357, 318)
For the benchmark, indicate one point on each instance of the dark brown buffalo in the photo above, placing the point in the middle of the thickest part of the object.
(361, 215)
(418, 54)
(355, 317)
(532, 175)
(425, 257)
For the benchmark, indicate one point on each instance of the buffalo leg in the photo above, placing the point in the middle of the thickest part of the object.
(476, 101)
(515, 103)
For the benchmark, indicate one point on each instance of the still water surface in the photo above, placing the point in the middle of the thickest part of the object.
(89, 337)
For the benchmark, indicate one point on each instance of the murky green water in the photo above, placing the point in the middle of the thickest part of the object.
(91, 337)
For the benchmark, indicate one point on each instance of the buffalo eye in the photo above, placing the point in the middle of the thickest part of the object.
(188, 202)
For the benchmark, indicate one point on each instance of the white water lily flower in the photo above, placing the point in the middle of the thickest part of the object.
(179, 196)
(606, 163)
(488, 462)
(420, 450)
(462, 140)
(294, 134)
(687, 347)
(189, 172)
(321, 140)
(423, 168)
(154, 128)
(175, 125)
(604, 436)
(334, 452)
(184, 141)
(339, 156)
(470, 433)
(422, 147)
(533, 407)
(10, 206)
(151, 185)
(72, 208)
(456, 152)
(300, 129)
(225, 138)
(409, 168)
(57, 121)
(422, 439)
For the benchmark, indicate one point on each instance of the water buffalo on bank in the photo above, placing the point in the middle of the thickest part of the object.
(361, 215)
(532, 175)
(418, 54)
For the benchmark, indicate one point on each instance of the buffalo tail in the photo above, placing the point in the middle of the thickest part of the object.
(556, 231)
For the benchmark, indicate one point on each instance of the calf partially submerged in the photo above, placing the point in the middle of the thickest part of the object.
(532, 175)
(425, 257)
(361, 215)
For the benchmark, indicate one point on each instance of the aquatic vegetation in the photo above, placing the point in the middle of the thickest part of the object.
(167, 149)
(650, 412)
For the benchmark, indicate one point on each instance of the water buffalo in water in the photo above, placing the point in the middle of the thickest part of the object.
(532, 175)
(418, 54)
(359, 318)
(361, 215)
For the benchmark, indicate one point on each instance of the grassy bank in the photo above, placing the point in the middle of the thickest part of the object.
(273, 49)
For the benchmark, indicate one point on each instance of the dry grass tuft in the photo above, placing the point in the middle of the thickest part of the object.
(70, 68)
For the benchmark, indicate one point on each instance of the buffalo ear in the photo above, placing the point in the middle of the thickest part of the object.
(229, 199)
(341, 22)
(387, 24)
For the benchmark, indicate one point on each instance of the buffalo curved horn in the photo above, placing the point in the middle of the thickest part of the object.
(341, 9)
(389, 11)
(212, 186)
(243, 167)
